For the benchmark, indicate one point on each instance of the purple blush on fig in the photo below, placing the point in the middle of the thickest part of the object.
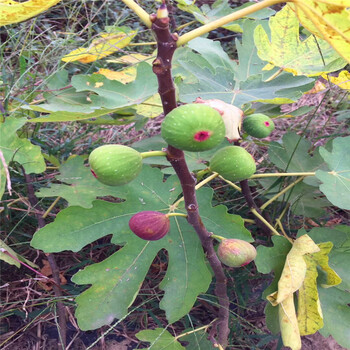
(150, 225)
(236, 252)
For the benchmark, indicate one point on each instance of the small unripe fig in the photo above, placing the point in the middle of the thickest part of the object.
(115, 165)
(235, 252)
(258, 125)
(193, 127)
(233, 163)
(150, 225)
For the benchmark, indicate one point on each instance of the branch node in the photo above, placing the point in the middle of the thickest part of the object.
(153, 17)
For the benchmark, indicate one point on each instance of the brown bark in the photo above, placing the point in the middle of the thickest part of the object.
(162, 68)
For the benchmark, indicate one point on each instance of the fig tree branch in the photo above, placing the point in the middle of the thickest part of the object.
(162, 69)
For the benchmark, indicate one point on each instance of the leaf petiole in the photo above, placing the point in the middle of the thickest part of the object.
(153, 154)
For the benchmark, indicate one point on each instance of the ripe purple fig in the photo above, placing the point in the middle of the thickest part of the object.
(235, 252)
(150, 225)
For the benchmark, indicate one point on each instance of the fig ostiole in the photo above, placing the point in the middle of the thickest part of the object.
(236, 252)
(193, 127)
(150, 225)
(115, 165)
(231, 116)
(233, 163)
(258, 125)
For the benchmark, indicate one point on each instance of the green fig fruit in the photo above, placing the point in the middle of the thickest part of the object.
(235, 252)
(150, 225)
(233, 163)
(258, 125)
(193, 127)
(115, 165)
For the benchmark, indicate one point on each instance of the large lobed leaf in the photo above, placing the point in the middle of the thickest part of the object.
(117, 280)
(212, 76)
(336, 182)
(292, 154)
(94, 96)
(113, 94)
(286, 50)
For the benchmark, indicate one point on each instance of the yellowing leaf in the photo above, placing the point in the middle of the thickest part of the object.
(321, 258)
(294, 270)
(310, 317)
(289, 324)
(287, 51)
(150, 108)
(101, 47)
(329, 20)
(133, 58)
(342, 80)
(124, 76)
(14, 11)
(319, 86)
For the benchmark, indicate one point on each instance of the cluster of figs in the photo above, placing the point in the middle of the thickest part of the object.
(193, 127)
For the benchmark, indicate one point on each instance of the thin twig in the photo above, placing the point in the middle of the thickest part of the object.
(52, 261)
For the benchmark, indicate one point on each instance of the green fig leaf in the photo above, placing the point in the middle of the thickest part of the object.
(249, 61)
(117, 280)
(112, 97)
(218, 220)
(17, 149)
(293, 154)
(304, 199)
(197, 340)
(160, 339)
(336, 312)
(114, 94)
(336, 183)
(78, 186)
(11, 257)
(7, 254)
(272, 259)
(219, 82)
